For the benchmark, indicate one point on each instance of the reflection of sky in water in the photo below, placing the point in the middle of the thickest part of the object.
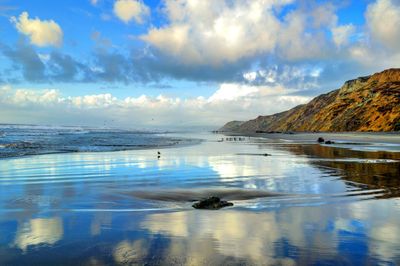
(39, 231)
(78, 206)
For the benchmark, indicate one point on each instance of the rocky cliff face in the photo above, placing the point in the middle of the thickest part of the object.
(369, 103)
(231, 126)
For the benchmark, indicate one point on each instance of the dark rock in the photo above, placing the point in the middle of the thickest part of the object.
(397, 126)
(212, 203)
(320, 140)
(329, 142)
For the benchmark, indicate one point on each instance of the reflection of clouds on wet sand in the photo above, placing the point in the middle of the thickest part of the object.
(382, 221)
(274, 173)
(315, 221)
(197, 235)
(175, 224)
(318, 234)
(130, 253)
(39, 231)
(99, 221)
(237, 166)
(387, 239)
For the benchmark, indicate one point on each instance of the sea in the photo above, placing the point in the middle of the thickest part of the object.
(103, 196)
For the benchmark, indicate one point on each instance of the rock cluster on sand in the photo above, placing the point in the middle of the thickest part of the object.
(321, 140)
(212, 203)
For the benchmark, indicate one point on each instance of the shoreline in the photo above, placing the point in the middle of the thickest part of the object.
(362, 137)
(183, 142)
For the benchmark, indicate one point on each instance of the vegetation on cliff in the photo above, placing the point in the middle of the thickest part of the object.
(369, 103)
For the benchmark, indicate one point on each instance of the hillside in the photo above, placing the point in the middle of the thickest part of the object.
(369, 103)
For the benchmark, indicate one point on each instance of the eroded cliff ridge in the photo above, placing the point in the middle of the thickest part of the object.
(370, 103)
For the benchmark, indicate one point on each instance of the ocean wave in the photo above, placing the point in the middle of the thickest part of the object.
(25, 140)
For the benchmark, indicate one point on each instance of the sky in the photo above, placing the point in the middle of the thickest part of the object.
(183, 63)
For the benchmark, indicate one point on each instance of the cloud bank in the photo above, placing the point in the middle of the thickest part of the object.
(230, 100)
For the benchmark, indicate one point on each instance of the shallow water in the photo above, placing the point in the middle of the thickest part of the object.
(305, 204)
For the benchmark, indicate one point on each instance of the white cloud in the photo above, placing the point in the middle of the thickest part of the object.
(341, 34)
(300, 38)
(94, 2)
(25, 97)
(218, 32)
(214, 32)
(383, 21)
(126, 10)
(40, 32)
(230, 101)
(250, 76)
(93, 101)
(324, 15)
(378, 46)
(233, 92)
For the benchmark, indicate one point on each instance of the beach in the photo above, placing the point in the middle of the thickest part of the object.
(295, 202)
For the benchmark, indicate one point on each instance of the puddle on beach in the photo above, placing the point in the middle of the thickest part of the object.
(305, 204)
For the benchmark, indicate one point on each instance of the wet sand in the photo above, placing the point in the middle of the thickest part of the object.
(304, 204)
(372, 137)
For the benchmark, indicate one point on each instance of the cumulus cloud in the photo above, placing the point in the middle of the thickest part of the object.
(383, 21)
(378, 46)
(126, 10)
(230, 38)
(216, 31)
(230, 101)
(301, 36)
(219, 32)
(40, 32)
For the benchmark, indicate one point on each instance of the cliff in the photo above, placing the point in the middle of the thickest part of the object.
(369, 103)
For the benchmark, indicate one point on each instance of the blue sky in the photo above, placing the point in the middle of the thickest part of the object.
(192, 62)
